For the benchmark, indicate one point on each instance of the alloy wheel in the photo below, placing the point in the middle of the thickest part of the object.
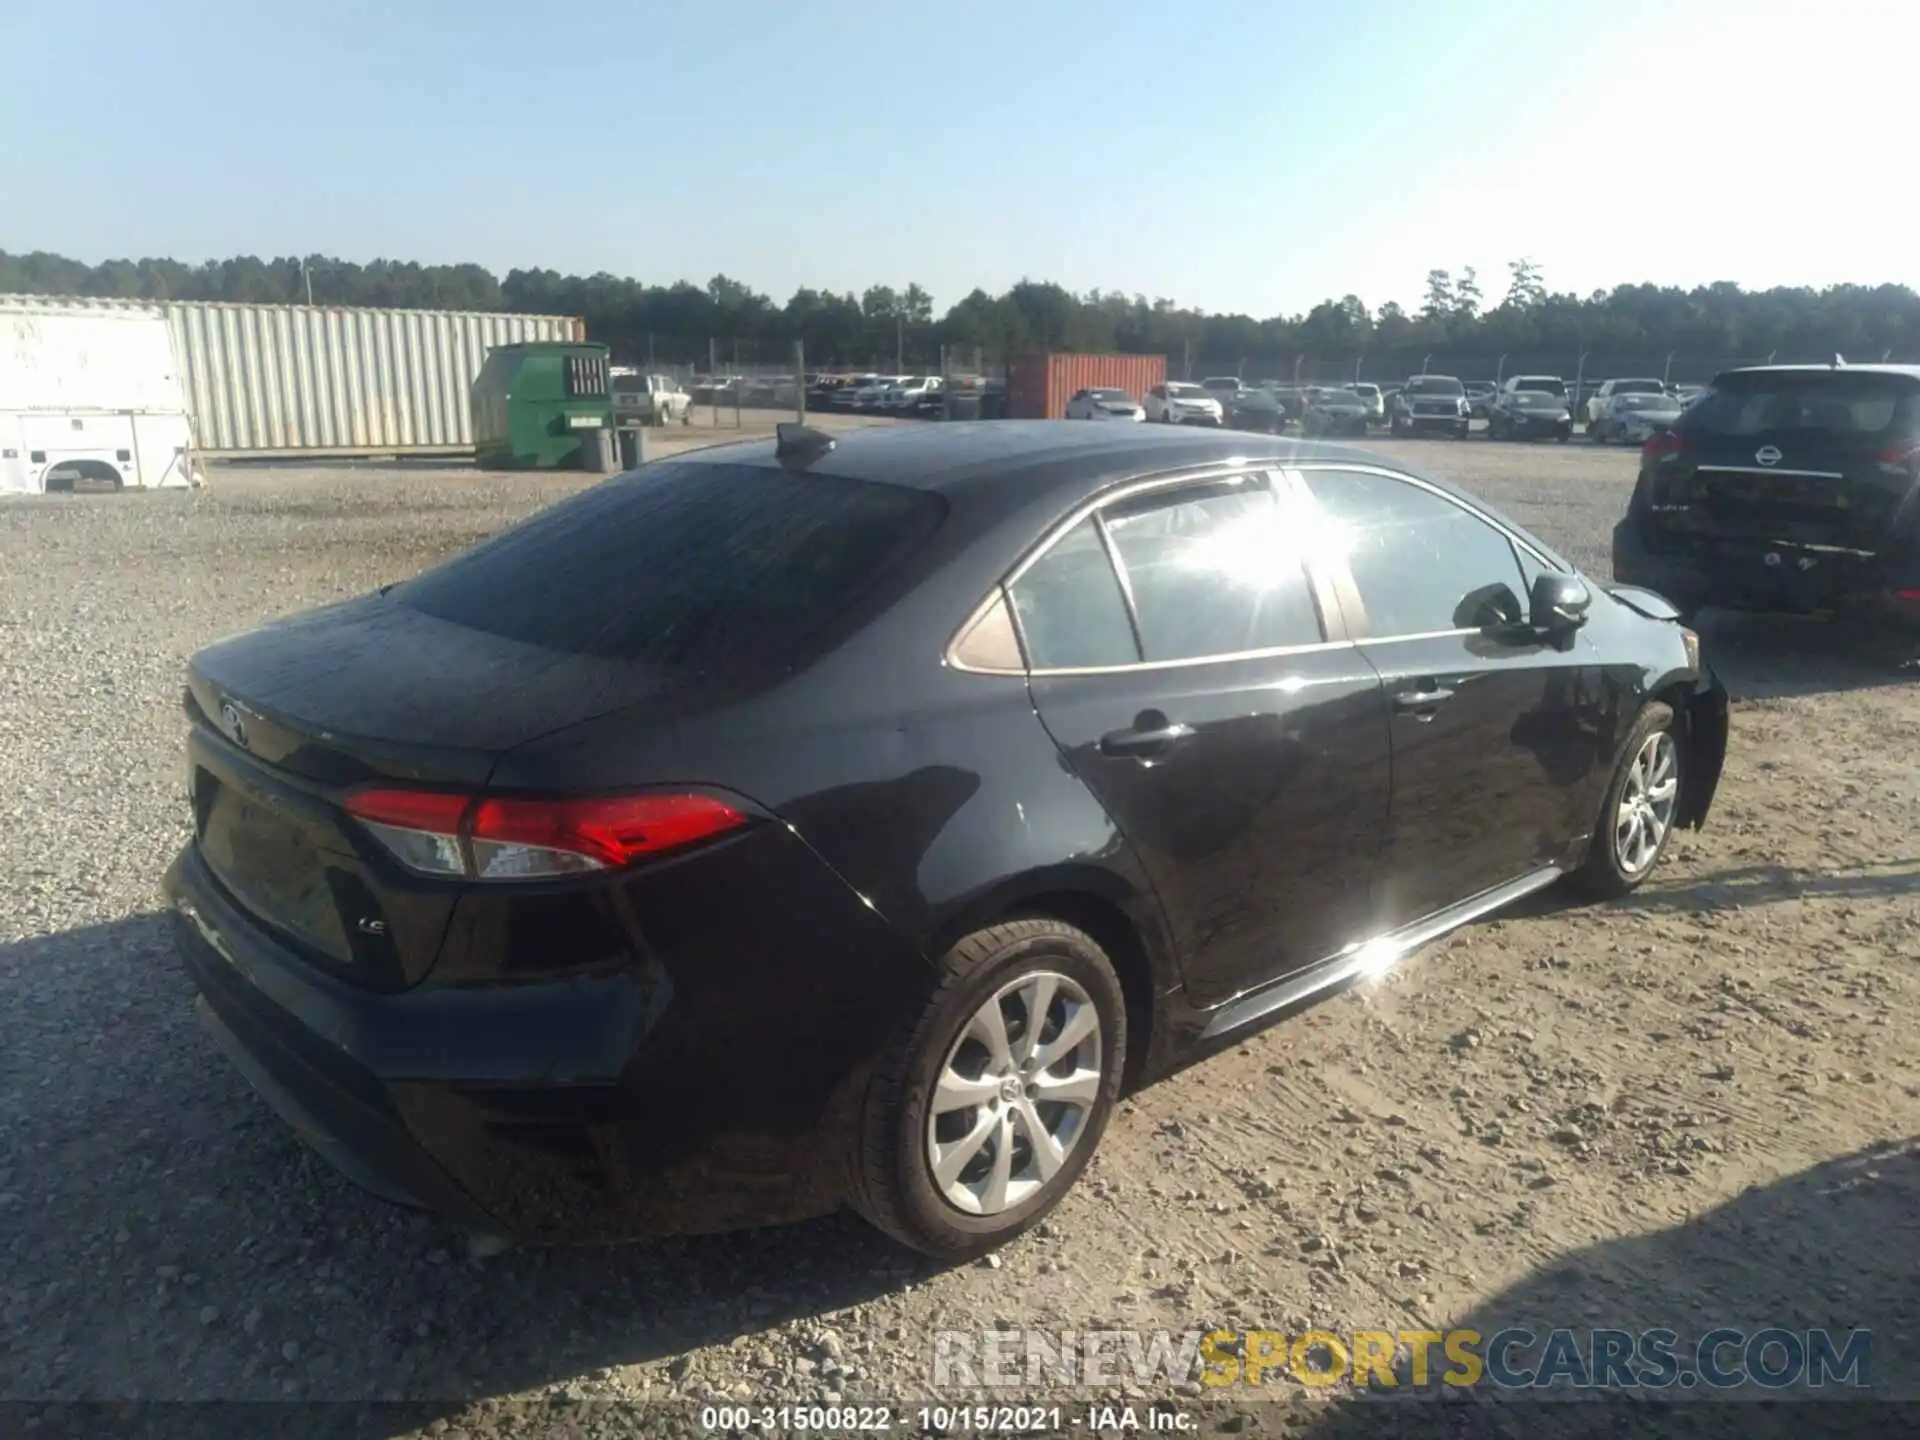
(1014, 1094)
(1647, 802)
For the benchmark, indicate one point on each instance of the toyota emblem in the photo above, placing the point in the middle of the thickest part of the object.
(231, 723)
(1768, 454)
(1773, 557)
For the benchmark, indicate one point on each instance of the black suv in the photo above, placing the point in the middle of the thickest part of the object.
(1790, 488)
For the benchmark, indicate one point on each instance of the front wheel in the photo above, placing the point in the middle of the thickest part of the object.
(1636, 818)
(987, 1105)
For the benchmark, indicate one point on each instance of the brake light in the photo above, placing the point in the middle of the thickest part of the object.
(1662, 443)
(513, 838)
(1899, 454)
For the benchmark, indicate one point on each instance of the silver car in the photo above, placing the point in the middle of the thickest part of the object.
(1634, 417)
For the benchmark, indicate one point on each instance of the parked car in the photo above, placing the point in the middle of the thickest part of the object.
(1178, 403)
(905, 396)
(1529, 415)
(1536, 385)
(870, 394)
(1293, 400)
(1376, 404)
(852, 386)
(584, 887)
(1785, 488)
(823, 392)
(1480, 395)
(1103, 404)
(648, 399)
(1431, 402)
(1256, 409)
(1223, 388)
(714, 389)
(1336, 412)
(1596, 403)
(1632, 417)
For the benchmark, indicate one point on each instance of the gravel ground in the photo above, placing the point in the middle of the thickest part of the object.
(1695, 1105)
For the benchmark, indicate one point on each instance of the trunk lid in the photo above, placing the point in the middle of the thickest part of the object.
(289, 719)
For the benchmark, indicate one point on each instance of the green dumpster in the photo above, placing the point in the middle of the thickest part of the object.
(536, 405)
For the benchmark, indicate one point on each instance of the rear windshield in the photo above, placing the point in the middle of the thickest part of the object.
(687, 566)
(1543, 385)
(1435, 385)
(1830, 403)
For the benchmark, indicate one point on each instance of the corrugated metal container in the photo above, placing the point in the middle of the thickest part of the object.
(1039, 385)
(300, 380)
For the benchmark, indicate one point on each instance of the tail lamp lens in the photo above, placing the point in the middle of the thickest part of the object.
(511, 838)
(1661, 442)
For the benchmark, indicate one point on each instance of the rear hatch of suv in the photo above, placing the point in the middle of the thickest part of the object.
(1818, 460)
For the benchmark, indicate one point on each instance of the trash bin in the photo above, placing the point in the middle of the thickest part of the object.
(993, 405)
(963, 405)
(633, 447)
(597, 452)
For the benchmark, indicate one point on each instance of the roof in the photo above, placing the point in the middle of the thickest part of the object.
(1904, 372)
(979, 462)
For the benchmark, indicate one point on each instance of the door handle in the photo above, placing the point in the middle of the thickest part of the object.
(1429, 696)
(1144, 744)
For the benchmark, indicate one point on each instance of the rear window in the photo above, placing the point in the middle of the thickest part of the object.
(1435, 385)
(1830, 403)
(687, 566)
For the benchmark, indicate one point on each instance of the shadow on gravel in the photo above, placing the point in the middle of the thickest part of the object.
(1832, 1248)
(164, 1236)
(1777, 657)
(1741, 885)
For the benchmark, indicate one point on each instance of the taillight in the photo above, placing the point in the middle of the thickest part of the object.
(1662, 443)
(1899, 454)
(511, 838)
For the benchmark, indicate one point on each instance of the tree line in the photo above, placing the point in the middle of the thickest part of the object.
(686, 324)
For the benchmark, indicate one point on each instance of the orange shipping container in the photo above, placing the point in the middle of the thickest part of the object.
(1039, 385)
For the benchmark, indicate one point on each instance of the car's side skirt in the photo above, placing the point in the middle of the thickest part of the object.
(1370, 957)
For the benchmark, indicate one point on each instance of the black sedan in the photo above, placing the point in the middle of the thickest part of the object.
(789, 825)
(1336, 412)
(1529, 415)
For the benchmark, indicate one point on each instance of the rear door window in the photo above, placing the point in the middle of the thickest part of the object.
(1213, 572)
(693, 567)
(1833, 405)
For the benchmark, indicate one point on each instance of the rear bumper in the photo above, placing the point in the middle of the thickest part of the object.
(672, 1096)
(1767, 577)
(1452, 424)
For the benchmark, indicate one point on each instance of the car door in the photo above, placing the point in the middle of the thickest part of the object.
(1496, 732)
(1195, 677)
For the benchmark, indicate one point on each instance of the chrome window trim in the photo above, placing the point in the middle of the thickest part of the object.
(1266, 472)
(1297, 474)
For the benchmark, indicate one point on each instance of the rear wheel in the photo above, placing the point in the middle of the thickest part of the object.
(986, 1107)
(1636, 818)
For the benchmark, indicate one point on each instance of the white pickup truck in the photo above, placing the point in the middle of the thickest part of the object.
(648, 399)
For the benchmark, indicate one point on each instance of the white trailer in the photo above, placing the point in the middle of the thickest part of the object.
(90, 398)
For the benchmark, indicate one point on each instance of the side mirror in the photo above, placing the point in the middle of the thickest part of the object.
(1558, 604)
(1491, 607)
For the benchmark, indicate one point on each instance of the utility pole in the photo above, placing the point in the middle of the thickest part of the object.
(899, 344)
(649, 350)
(307, 275)
(713, 386)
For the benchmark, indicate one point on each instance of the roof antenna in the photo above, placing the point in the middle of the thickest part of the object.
(795, 439)
(1838, 360)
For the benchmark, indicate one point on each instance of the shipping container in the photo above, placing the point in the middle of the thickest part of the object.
(1039, 385)
(90, 398)
(317, 380)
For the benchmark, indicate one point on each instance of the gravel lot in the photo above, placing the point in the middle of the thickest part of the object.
(1698, 1105)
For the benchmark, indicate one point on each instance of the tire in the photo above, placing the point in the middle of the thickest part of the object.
(894, 1185)
(1606, 875)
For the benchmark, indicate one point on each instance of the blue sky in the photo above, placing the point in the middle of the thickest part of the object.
(1254, 157)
